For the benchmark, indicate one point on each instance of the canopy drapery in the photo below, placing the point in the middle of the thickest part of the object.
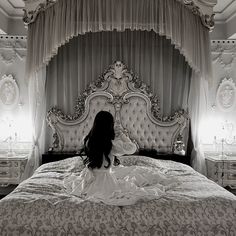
(151, 57)
(65, 19)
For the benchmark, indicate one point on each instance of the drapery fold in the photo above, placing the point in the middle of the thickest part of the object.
(148, 55)
(151, 57)
(65, 19)
(37, 105)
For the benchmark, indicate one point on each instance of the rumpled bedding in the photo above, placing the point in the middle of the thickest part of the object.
(195, 206)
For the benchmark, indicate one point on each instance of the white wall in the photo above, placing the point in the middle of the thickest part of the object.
(219, 31)
(16, 27)
(224, 66)
(3, 22)
(12, 61)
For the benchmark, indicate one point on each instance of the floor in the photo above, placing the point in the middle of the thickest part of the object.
(6, 190)
(231, 190)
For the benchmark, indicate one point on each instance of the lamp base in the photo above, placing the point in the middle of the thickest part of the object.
(11, 153)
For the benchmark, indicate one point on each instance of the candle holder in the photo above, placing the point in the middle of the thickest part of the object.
(10, 136)
(223, 142)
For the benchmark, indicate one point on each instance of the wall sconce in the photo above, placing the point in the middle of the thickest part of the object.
(224, 139)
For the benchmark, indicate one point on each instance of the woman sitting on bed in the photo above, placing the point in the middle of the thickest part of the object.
(100, 180)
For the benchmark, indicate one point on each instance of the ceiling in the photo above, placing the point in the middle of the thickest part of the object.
(225, 10)
(12, 8)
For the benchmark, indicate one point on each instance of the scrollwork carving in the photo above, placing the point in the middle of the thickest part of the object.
(207, 20)
(118, 81)
(118, 86)
(30, 16)
(116, 77)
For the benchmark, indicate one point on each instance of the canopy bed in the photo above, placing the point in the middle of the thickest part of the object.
(55, 25)
(191, 204)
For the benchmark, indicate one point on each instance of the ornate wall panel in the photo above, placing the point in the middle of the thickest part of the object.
(222, 93)
(14, 100)
(11, 48)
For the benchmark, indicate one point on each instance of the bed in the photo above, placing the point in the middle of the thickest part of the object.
(135, 108)
(192, 205)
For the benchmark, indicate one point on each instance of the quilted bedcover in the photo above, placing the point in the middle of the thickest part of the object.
(194, 206)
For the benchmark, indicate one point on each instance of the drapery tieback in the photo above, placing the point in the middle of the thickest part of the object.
(35, 143)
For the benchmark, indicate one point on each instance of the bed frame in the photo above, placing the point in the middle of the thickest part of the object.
(135, 109)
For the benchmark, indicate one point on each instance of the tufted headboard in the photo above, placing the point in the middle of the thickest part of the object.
(134, 108)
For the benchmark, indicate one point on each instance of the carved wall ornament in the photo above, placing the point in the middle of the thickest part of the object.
(223, 52)
(9, 92)
(207, 20)
(226, 95)
(30, 16)
(12, 47)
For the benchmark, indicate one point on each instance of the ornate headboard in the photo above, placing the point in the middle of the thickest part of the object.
(134, 108)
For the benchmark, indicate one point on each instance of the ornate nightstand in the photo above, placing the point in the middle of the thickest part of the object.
(222, 170)
(11, 170)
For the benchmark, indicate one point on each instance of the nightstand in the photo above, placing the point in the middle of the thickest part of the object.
(222, 170)
(11, 170)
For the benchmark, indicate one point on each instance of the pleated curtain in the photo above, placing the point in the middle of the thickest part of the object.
(69, 18)
(151, 57)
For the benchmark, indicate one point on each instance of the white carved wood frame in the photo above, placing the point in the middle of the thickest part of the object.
(9, 92)
(226, 95)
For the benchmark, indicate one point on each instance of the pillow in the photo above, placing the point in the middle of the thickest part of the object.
(153, 153)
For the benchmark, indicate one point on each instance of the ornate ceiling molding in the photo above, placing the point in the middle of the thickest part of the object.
(204, 9)
(12, 47)
(34, 8)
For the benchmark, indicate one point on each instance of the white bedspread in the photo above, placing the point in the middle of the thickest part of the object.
(194, 206)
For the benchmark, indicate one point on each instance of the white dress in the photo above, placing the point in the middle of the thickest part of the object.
(117, 185)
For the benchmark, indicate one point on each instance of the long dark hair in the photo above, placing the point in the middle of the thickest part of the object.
(98, 142)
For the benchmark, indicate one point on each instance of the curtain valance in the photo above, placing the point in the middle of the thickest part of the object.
(65, 19)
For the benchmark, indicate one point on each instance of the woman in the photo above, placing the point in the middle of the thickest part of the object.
(99, 181)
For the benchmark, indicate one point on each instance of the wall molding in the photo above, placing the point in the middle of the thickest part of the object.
(12, 47)
(225, 95)
(223, 52)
